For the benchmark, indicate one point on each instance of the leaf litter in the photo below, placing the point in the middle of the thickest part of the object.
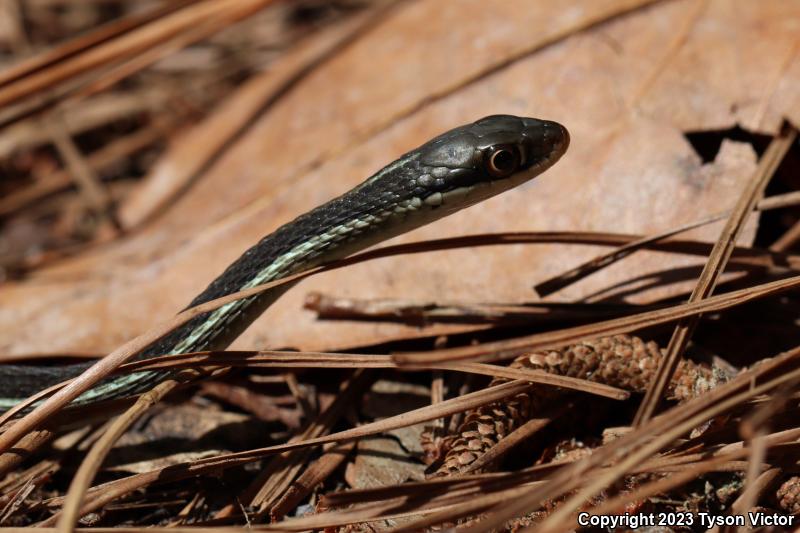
(557, 432)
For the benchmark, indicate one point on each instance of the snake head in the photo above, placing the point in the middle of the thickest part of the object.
(478, 160)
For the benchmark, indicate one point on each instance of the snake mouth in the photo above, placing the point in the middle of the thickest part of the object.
(548, 142)
(544, 141)
(563, 139)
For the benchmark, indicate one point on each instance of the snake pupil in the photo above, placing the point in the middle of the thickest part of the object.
(503, 161)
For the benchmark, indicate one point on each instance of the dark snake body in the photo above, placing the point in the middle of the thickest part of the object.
(452, 171)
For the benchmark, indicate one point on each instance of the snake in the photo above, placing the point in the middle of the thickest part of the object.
(452, 171)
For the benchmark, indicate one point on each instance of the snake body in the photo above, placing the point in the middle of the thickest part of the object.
(450, 172)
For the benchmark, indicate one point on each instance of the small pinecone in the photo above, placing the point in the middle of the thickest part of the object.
(788, 495)
(487, 425)
(621, 361)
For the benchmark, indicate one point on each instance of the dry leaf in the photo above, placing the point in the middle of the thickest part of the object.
(629, 168)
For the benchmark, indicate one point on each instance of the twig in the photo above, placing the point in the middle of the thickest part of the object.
(126, 44)
(576, 274)
(507, 349)
(94, 38)
(713, 270)
(99, 496)
(95, 193)
(313, 476)
(94, 459)
(631, 449)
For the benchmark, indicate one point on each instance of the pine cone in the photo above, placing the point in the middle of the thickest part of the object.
(621, 361)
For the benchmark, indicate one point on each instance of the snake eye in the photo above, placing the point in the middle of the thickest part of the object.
(502, 161)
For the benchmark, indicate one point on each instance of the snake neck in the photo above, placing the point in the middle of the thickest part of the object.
(334, 230)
